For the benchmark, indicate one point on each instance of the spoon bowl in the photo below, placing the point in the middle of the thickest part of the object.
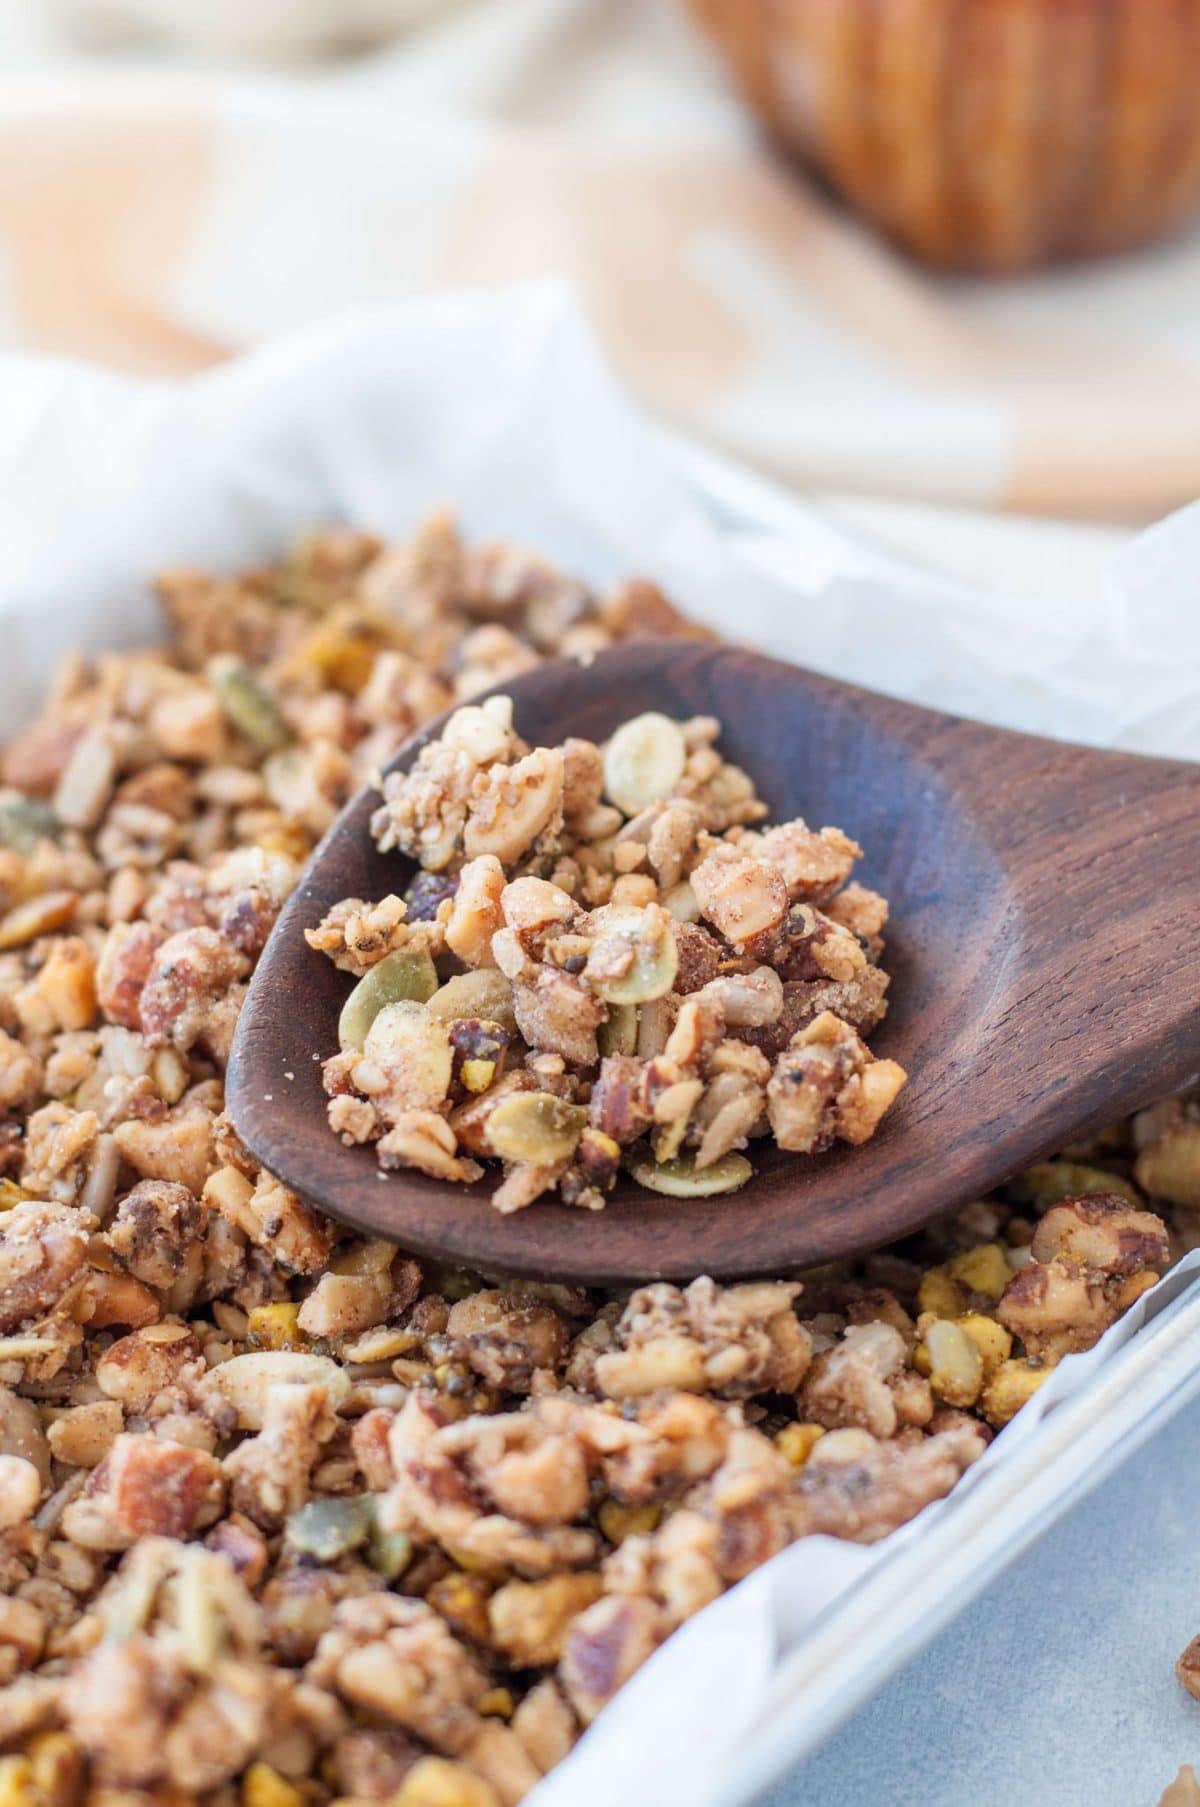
(1045, 914)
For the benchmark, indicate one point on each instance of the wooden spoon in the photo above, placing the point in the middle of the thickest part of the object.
(1043, 950)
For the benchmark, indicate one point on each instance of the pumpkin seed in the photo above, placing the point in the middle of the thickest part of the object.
(643, 762)
(653, 956)
(248, 704)
(681, 1178)
(535, 1127)
(485, 995)
(327, 1529)
(407, 974)
(388, 1552)
(24, 821)
(619, 1034)
(1049, 1182)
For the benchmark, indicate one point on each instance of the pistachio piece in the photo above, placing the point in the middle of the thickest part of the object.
(634, 957)
(535, 1127)
(248, 704)
(484, 995)
(479, 1048)
(327, 1529)
(681, 1178)
(643, 762)
(408, 973)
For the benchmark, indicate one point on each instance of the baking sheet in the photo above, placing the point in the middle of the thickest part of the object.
(503, 405)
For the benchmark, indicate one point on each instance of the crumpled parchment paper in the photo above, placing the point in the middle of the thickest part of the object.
(502, 406)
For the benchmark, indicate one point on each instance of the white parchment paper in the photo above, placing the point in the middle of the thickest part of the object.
(502, 406)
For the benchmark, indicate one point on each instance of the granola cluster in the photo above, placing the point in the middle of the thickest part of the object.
(604, 961)
(286, 1518)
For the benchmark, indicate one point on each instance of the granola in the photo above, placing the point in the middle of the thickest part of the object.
(286, 1518)
(657, 977)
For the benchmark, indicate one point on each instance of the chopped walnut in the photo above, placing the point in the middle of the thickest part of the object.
(827, 1085)
(735, 1341)
(357, 935)
(269, 1474)
(43, 1252)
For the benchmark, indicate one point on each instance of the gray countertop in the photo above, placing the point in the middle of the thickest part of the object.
(1056, 1687)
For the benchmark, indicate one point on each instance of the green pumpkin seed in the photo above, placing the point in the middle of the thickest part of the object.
(681, 1178)
(24, 821)
(655, 957)
(327, 1529)
(388, 1552)
(248, 704)
(485, 995)
(1049, 1182)
(408, 974)
(535, 1127)
(619, 1034)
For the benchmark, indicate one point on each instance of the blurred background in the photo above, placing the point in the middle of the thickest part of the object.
(936, 260)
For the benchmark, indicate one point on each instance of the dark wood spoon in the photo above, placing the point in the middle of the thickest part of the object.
(1043, 950)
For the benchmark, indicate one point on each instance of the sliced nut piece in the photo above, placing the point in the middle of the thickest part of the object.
(86, 782)
(407, 1062)
(42, 915)
(743, 898)
(535, 1127)
(248, 705)
(475, 912)
(643, 762)
(516, 804)
(681, 1178)
(485, 995)
(246, 1381)
(20, 1491)
(407, 973)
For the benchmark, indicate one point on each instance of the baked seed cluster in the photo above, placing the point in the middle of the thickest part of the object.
(287, 1518)
(605, 960)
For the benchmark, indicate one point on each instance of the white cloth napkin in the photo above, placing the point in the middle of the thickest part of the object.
(161, 222)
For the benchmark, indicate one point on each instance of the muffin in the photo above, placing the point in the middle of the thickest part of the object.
(983, 134)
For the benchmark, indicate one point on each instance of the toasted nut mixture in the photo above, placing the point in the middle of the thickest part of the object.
(288, 1519)
(659, 969)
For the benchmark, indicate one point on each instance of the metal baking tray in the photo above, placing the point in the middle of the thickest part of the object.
(902, 1604)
